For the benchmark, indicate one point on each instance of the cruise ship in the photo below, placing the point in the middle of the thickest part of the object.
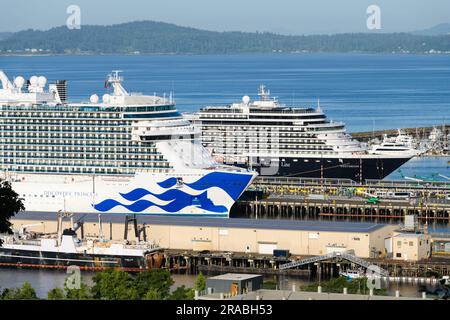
(126, 154)
(278, 140)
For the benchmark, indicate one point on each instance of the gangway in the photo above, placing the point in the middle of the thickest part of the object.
(332, 255)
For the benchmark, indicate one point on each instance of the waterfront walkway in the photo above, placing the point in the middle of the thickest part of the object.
(264, 294)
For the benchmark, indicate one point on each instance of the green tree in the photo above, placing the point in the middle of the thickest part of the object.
(83, 293)
(10, 204)
(182, 293)
(337, 285)
(26, 292)
(114, 284)
(200, 282)
(152, 294)
(55, 294)
(159, 280)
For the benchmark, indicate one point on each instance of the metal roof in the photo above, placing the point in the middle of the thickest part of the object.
(235, 276)
(300, 225)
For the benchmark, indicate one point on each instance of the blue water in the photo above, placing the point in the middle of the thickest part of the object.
(365, 91)
(424, 168)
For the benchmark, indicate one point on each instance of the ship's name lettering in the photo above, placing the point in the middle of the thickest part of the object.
(69, 193)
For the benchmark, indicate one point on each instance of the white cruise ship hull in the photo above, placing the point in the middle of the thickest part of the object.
(198, 193)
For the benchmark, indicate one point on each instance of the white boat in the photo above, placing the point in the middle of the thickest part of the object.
(400, 144)
(129, 153)
(352, 274)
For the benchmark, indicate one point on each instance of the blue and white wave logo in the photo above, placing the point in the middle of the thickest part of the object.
(174, 200)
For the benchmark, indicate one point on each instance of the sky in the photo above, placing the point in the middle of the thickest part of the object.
(280, 16)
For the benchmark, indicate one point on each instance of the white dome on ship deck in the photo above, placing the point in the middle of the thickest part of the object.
(106, 98)
(42, 81)
(34, 80)
(94, 98)
(19, 82)
(245, 99)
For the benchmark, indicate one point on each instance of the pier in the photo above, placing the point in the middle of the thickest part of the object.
(421, 131)
(246, 245)
(342, 199)
(299, 208)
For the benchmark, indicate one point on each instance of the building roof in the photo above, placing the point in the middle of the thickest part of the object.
(235, 276)
(409, 235)
(285, 224)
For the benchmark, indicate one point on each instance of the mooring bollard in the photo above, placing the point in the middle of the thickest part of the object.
(196, 294)
(397, 294)
(257, 298)
(371, 292)
(345, 291)
(319, 289)
(221, 296)
(424, 295)
(293, 288)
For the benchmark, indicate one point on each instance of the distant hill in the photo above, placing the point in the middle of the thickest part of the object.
(438, 30)
(149, 37)
(4, 35)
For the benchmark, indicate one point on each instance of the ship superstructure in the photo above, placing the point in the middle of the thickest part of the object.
(128, 153)
(278, 140)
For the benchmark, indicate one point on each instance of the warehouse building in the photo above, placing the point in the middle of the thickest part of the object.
(264, 236)
(367, 240)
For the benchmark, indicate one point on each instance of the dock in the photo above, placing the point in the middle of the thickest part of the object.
(342, 199)
(246, 245)
(423, 131)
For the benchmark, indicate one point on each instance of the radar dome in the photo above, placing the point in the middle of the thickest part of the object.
(94, 98)
(245, 99)
(19, 82)
(106, 98)
(34, 80)
(42, 81)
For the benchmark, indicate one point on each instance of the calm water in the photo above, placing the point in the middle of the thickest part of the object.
(45, 280)
(367, 92)
(425, 168)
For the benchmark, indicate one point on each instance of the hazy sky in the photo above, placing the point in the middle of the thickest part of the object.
(281, 16)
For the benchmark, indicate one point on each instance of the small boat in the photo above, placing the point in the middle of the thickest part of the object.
(352, 274)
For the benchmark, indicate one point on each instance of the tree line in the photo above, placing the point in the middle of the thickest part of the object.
(115, 284)
(150, 37)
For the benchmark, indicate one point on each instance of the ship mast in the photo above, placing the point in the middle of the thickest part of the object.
(115, 80)
(263, 93)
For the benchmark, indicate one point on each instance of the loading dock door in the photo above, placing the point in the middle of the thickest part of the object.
(266, 248)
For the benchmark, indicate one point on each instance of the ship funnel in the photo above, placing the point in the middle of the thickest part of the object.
(61, 87)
